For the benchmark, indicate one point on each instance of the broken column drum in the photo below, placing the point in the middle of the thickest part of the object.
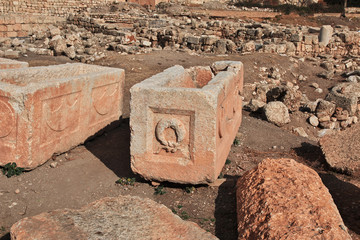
(44, 110)
(183, 122)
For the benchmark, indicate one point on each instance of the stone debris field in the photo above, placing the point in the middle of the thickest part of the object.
(177, 120)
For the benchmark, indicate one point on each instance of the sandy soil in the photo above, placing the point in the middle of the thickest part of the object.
(88, 172)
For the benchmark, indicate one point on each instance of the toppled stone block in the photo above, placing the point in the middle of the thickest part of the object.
(276, 112)
(183, 122)
(123, 217)
(283, 199)
(11, 64)
(341, 150)
(45, 110)
(346, 96)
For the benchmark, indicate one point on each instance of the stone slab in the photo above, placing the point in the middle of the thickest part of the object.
(283, 199)
(183, 122)
(11, 64)
(342, 150)
(124, 217)
(46, 110)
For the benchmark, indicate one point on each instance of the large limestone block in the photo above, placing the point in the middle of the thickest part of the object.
(11, 64)
(283, 199)
(183, 122)
(124, 217)
(345, 95)
(342, 150)
(51, 109)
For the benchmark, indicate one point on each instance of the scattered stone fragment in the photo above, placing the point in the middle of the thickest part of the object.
(124, 217)
(281, 199)
(276, 112)
(301, 132)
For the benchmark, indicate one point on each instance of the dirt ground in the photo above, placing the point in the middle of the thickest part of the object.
(89, 171)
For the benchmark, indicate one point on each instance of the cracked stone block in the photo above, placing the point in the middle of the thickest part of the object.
(11, 64)
(345, 95)
(47, 110)
(183, 122)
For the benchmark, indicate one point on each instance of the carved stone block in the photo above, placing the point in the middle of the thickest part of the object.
(11, 64)
(46, 110)
(183, 122)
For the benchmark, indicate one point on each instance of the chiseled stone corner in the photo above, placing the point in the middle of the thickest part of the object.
(12, 64)
(44, 110)
(183, 122)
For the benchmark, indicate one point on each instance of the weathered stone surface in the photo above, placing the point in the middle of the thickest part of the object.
(11, 64)
(283, 199)
(342, 150)
(51, 109)
(276, 112)
(346, 96)
(325, 109)
(124, 217)
(183, 122)
(325, 34)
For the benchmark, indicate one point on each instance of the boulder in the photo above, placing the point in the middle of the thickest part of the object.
(123, 217)
(283, 199)
(276, 112)
(342, 150)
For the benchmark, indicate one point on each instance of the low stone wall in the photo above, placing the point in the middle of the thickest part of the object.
(54, 7)
(21, 25)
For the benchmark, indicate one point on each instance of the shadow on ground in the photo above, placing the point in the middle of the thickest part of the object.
(5, 237)
(347, 199)
(225, 211)
(112, 147)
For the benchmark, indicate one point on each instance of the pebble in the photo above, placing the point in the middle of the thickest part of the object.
(17, 191)
(315, 85)
(53, 165)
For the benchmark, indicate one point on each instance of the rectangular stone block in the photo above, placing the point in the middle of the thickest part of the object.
(183, 122)
(46, 110)
(11, 64)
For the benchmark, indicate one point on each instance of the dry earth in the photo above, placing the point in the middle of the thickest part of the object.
(88, 172)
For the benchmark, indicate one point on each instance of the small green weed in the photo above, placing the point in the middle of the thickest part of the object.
(159, 190)
(190, 189)
(11, 169)
(221, 176)
(126, 181)
(184, 215)
(236, 142)
(228, 161)
(2, 229)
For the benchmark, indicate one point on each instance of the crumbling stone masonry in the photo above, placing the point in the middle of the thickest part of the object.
(183, 122)
(44, 110)
(11, 64)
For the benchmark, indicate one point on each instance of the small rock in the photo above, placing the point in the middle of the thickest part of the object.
(276, 112)
(53, 164)
(318, 90)
(17, 191)
(301, 132)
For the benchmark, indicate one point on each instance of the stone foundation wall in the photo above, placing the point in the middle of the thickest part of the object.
(21, 25)
(50, 7)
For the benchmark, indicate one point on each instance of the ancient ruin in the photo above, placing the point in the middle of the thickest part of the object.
(218, 98)
(47, 110)
(183, 122)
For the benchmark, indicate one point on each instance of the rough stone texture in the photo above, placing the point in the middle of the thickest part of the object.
(283, 199)
(51, 109)
(183, 122)
(342, 150)
(276, 112)
(11, 64)
(124, 217)
(346, 96)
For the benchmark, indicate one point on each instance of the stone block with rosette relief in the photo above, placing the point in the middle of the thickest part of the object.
(183, 122)
(46, 110)
(11, 64)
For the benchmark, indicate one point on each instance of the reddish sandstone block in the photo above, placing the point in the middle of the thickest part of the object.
(183, 122)
(11, 64)
(44, 110)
